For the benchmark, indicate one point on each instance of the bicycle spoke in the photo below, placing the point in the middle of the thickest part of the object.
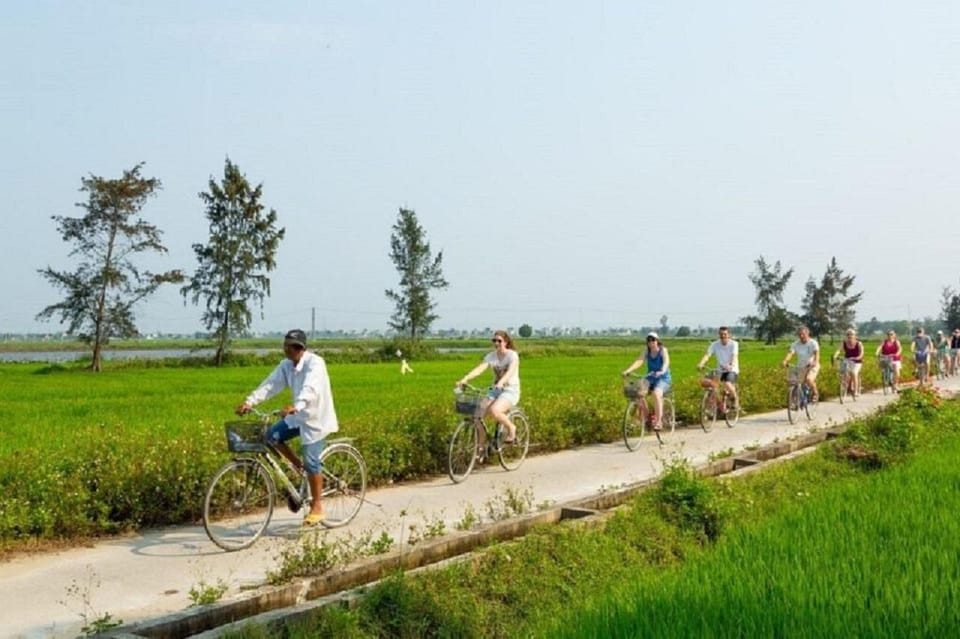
(344, 484)
(513, 454)
(633, 426)
(463, 451)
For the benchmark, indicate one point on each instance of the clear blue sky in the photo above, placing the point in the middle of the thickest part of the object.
(593, 164)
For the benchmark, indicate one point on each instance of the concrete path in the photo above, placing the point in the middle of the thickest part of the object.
(149, 574)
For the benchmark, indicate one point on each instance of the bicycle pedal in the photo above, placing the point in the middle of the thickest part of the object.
(294, 504)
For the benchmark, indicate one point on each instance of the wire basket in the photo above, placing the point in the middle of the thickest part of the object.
(467, 403)
(636, 388)
(245, 437)
(793, 375)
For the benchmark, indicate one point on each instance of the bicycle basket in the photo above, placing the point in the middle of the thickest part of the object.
(793, 375)
(467, 404)
(245, 437)
(636, 388)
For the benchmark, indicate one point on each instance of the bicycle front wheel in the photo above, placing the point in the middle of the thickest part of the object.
(513, 454)
(843, 387)
(239, 504)
(708, 411)
(463, 451)
(633, 425)
(793, 403)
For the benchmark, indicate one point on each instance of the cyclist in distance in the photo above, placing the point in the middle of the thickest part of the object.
(921, 346)
(310, 415)
(727, 353)
(852, 349)
(807, 351)
(890, 347)
(505, 392)
(954, 351)
(657, 359)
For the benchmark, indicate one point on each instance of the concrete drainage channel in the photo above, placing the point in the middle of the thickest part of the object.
(283, 603)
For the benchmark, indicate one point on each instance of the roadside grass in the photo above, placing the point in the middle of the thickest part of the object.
(89, 454)
(820, 546)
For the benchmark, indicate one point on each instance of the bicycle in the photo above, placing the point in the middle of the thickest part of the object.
(849, 382)
(636, 416)
(240, 499)
(711, 405)
(799, 395)
(473, 441)
(888, 379)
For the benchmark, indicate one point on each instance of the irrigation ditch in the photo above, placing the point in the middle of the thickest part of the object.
(279, 604)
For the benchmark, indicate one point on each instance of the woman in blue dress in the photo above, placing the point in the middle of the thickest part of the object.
(657, 360)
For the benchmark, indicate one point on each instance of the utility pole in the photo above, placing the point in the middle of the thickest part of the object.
(313, 322)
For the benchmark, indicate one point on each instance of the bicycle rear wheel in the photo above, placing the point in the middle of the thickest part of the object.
(462, 453)
(344, 484)
(708, 410)
(513, 454)
(811, 403)
(633, 425)
(731, 412)
(238, 504)
(669, 420)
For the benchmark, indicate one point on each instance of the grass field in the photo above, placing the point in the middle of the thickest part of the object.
(86, 454)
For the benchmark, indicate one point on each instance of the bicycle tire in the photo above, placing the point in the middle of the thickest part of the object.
(512, 455)
(462, 453)
(633, 426)
(668, 421)
(810, 406)
(238, 504)
(843, 387)
(793, 403)
(921, 374)
(731, 414)
(708, 410)
(344, 484)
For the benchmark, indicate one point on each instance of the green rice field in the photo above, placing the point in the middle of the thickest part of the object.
(87, 454)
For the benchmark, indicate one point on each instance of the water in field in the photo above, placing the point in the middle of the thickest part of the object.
(69, 356)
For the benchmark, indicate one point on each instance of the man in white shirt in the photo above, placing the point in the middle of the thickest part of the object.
(311, 415)
(727, 353)
(808, 356)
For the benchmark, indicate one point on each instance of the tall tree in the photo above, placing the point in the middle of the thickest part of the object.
(772, 319)
(816, 312)
(233, 266)
(950, 308)
(420, 273)
(828, 308)
(102, 291)
(841, 303)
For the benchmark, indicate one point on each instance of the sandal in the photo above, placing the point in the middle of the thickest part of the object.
(312, 519)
